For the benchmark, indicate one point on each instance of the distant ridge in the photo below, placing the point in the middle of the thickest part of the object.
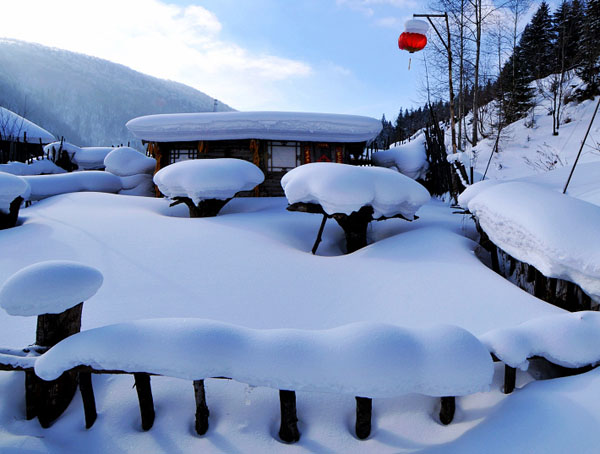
(86, 99)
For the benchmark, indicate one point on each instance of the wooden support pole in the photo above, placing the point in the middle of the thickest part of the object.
(510, 379)
(319, 235)
(202, 412)
(87, 396)
(447, 410)
(364, 411)
(144, 392)
(288, 430)
(31, 394)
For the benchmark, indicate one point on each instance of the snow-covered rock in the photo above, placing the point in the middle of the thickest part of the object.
(14, 127)
(362, 359)
(37, 167)
(301, 126)
(126, 161)
(11, 187)
(49, 288)
(556, 233)
(342, 188)
(569, 340)
(43, 186)
(202, 179)
(409, 159)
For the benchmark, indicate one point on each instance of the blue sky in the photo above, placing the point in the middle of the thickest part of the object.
(336, 56)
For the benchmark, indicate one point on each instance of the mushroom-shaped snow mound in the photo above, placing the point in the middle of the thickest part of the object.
(126, 161)
(342, 188)
(202, 179)
(49, 288)
(569, 340)
(11, 187)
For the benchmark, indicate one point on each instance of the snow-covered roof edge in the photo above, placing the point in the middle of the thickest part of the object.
(300, 126)
(15, 127)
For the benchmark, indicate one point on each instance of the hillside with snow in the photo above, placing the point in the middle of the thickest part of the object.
(85, 99)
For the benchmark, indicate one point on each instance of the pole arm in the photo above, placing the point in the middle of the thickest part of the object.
(429, 16)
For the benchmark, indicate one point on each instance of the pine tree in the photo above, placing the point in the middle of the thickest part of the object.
(537, 44)
(589, 66)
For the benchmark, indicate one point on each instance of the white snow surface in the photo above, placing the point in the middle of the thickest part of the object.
(343, 188)
(37, 167)
(409, 158)
(49, 287)
(569, 340)
(126, 161)
(15, 127)
(43, 186)
(251, 267)
(201, 179)
(416, 26)
(11, 187)
(301, 126)
(363, 359)
(555, 233)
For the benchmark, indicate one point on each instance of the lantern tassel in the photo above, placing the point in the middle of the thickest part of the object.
(409, 59)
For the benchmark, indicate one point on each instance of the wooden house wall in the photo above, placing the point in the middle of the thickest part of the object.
(349, 153)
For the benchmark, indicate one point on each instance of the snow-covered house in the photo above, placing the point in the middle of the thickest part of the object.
(275, 141)
(20, 139)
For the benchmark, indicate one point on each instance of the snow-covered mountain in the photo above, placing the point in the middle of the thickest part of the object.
(86, 99)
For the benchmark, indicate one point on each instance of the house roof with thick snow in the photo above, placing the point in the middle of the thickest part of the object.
(293, 126)
(14, 127)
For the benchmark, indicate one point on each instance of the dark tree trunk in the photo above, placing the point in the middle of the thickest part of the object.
(49, 399)
(87, 396)
(204, 208)
(9, 220)
(447, 410)
(144, 392)
(355, 227)
(288, 430)
(202, 412)
(510, 379)
(364, 410)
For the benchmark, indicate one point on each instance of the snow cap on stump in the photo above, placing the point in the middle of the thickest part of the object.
(11, 187)
(201, 179)
(49, 287)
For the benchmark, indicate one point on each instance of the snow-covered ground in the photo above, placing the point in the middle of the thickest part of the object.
(250, 269)
(251, 266)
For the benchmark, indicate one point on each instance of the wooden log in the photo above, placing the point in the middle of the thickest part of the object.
(49, 399)
(364, 410)
(9, 220)
(355, 227)
(202, 412)
(87, 396)
(288, 430)
(447, 410)
(144, 392)
(510, 378)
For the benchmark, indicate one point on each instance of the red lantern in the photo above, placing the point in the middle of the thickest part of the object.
(414, 37)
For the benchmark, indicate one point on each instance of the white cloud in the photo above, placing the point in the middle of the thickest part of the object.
(167, 41)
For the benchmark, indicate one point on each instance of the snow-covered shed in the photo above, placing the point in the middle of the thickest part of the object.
(275, 141)
(20, 139)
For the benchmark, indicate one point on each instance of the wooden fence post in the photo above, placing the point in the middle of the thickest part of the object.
(144, 392)
(364, 410)
(87, 396)
(288, 430)
(202, 412)
(447, 410)
(510, 377)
